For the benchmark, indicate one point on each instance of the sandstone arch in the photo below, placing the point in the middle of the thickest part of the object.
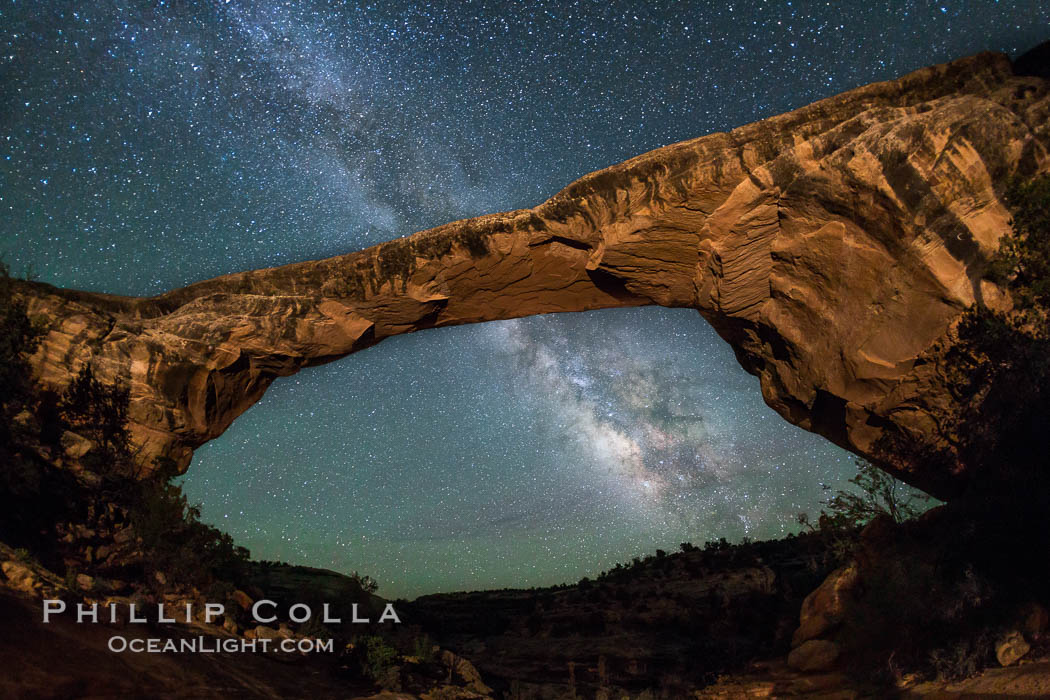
(833, 247)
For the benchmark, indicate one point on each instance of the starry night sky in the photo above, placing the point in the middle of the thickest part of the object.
(147, 145)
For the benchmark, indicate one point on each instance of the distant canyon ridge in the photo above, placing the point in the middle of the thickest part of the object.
(834, 248)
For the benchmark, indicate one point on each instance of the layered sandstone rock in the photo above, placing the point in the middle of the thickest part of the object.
(833, 247)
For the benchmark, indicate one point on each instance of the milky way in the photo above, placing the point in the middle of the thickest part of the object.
(147, 145)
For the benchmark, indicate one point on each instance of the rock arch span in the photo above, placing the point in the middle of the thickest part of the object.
(833, 247)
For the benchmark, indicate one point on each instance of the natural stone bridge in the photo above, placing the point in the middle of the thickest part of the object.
(833, 247)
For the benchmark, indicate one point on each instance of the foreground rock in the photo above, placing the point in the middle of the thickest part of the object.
(824, 608)
(1011, 648)
(833, 247)
(814, 655)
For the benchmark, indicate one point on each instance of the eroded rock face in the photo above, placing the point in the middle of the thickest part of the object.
(833, 247)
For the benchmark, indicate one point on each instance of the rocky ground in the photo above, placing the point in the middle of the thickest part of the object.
(68, 660)
(667, 624)
(64, 659)
(900, 614)
(775, 679)
(759, 620)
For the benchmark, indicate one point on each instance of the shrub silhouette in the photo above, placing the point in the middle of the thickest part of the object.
(878, 493)
(378, 658)
(99, 412)
(19, 337)
(178, 543)
(33, 493)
